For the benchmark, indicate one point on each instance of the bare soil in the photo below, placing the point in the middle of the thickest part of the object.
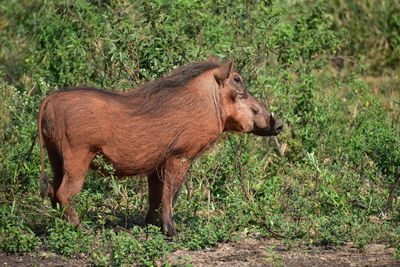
(247, 252)
(41, 259)
(272, 252)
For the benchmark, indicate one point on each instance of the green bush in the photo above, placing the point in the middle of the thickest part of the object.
(372, 30)
(134, 247)
(15, 236)
(67, 240)
(17, 239)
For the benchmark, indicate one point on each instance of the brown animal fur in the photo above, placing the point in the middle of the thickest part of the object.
(157, 129)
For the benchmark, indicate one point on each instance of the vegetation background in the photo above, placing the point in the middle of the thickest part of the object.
(329, 69)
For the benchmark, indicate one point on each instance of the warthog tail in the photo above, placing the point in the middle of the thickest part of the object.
(44, 181)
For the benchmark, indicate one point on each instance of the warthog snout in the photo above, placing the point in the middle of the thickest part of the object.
(278, 128)
(276, 125)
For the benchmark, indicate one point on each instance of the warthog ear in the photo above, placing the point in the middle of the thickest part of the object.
(222, 73)
(213, 58)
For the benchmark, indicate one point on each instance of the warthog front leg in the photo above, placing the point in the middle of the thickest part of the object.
(173, 176)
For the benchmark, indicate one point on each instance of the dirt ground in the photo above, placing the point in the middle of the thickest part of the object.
(272, 252)
(248, 252)
(41, 259)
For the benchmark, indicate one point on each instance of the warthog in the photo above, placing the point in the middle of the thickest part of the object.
(157, 129)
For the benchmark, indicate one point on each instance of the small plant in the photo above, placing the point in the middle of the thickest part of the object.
(272, 257)
(135, 247)
(67, 240)
(15, 237)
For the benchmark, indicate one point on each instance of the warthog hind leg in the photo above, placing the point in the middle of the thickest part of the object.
(75, 167)
(155, 183)
(56, 163)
